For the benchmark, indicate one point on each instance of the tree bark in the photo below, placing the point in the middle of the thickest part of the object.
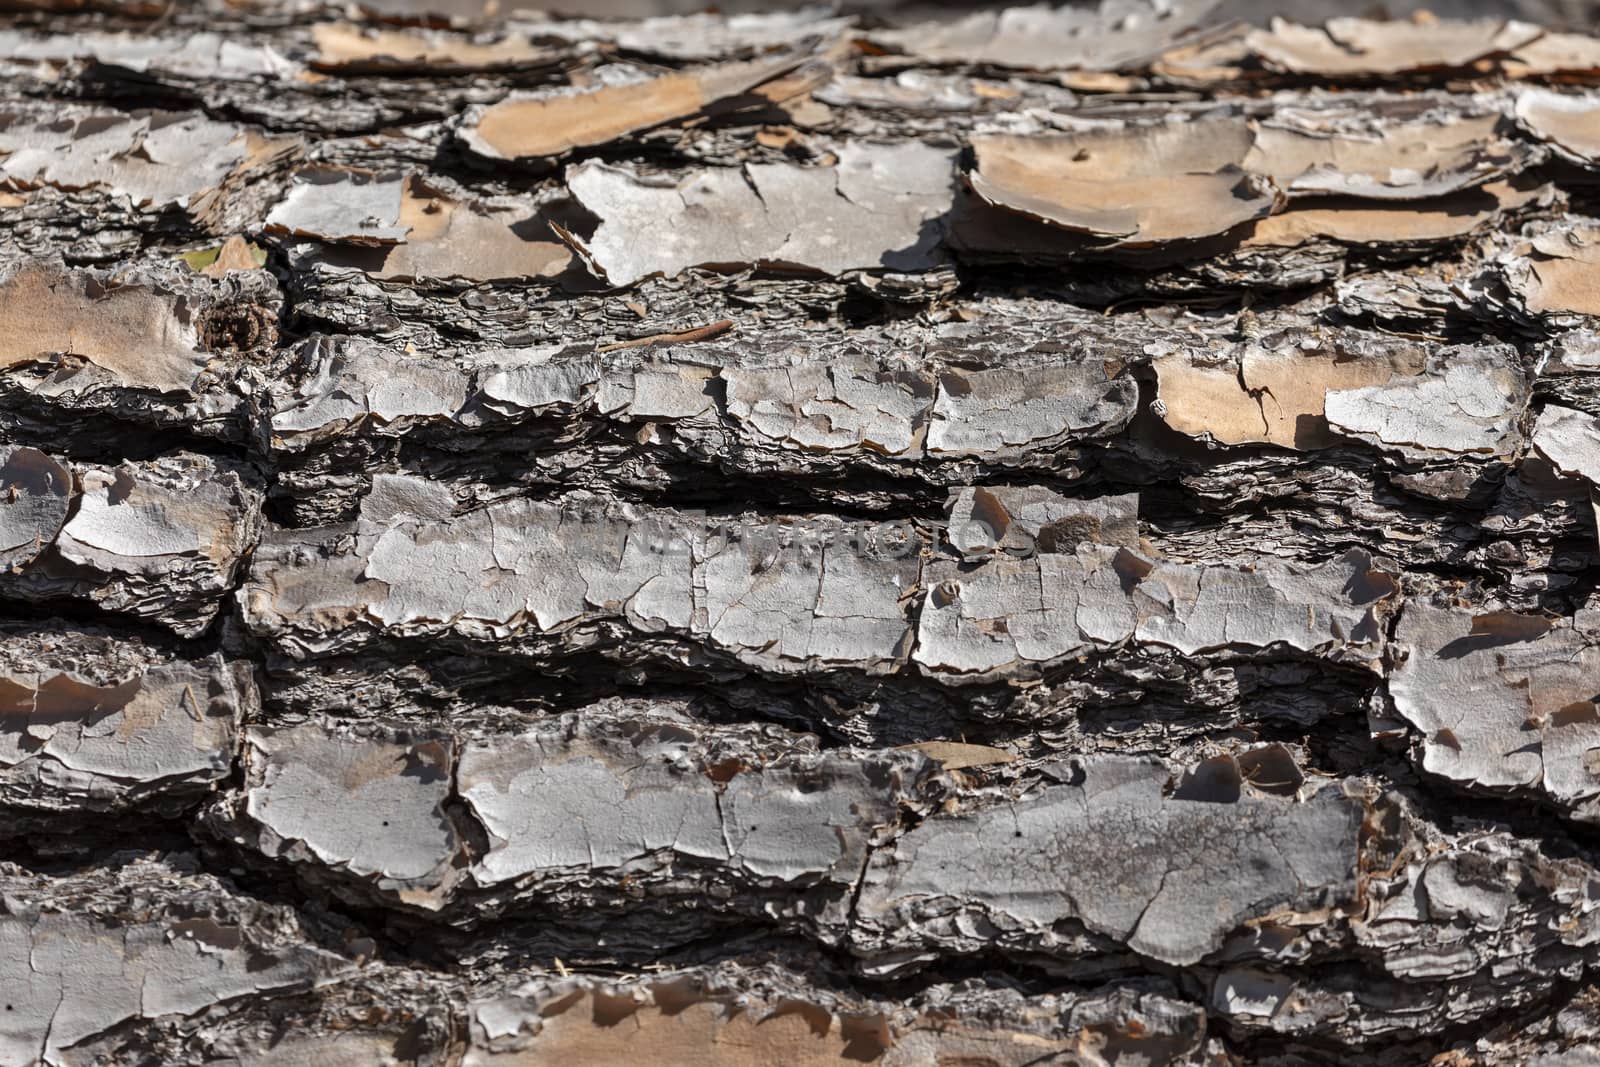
(1053, 537)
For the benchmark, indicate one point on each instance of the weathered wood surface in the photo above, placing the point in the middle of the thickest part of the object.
(1049, 538)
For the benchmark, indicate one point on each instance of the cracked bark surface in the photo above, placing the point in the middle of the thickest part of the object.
(1041, 536)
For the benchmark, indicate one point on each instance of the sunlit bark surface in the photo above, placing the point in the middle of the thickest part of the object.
(1041, 537)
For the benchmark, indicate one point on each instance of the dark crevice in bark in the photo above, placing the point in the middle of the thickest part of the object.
(1415, 1048)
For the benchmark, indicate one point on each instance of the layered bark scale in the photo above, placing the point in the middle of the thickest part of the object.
(1053, 536)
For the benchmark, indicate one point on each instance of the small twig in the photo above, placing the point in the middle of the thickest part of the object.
(1408, 336)
(698, 333)
(165, 16)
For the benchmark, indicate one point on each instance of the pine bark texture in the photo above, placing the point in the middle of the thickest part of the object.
(1044, 537)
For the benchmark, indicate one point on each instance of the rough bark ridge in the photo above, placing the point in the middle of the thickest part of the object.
(1062, 537)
